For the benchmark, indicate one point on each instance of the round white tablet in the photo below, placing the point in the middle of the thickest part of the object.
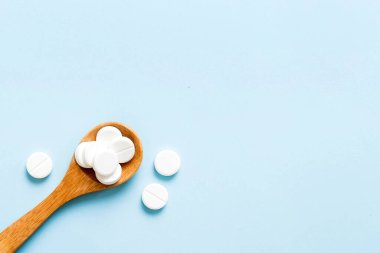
(105, 163)
(123, 148)
(111, 179)
(155, 196)
(167, 162)
(39, 165)
(108, 134)
(79, 155)
(91, 150)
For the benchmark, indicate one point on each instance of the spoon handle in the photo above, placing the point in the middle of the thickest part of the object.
(16, 234)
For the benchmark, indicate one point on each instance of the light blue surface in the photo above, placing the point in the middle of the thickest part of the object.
(274, 107)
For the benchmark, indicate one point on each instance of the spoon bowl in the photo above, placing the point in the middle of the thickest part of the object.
(85, 178)
(77, 181)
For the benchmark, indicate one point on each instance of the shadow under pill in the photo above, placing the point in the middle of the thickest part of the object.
(150, 211)
(34, 180)
(161, 177)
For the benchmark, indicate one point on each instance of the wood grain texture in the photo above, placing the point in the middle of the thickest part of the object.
(76, 182)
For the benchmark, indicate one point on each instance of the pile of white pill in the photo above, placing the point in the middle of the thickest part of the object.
(105, 154)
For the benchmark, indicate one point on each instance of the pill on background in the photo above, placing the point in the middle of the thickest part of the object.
(110, 179)
(167, 162)
(91, 150)
(123, 148)
(155, 196)
(39, 165)
(79, 155)
(105, 163)
(108, 134)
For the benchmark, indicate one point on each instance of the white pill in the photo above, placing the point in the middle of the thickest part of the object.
(108, 134)
(111, 179)
(39, 165)
(79, 155)
(91, 150)
(155, 196)
(167, 162)
(123, 148)
(105, 163)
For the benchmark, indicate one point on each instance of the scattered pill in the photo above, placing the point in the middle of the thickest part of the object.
(105, 163)
(79, 155)
(123, 148)
(155, 196)
(167, 162)
(91, 150)
(110, 179)
(39, 165)
(108, 134)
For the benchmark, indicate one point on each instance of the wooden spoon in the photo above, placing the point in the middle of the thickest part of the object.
(77, 182)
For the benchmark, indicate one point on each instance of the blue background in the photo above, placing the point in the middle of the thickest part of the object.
(273, 106)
